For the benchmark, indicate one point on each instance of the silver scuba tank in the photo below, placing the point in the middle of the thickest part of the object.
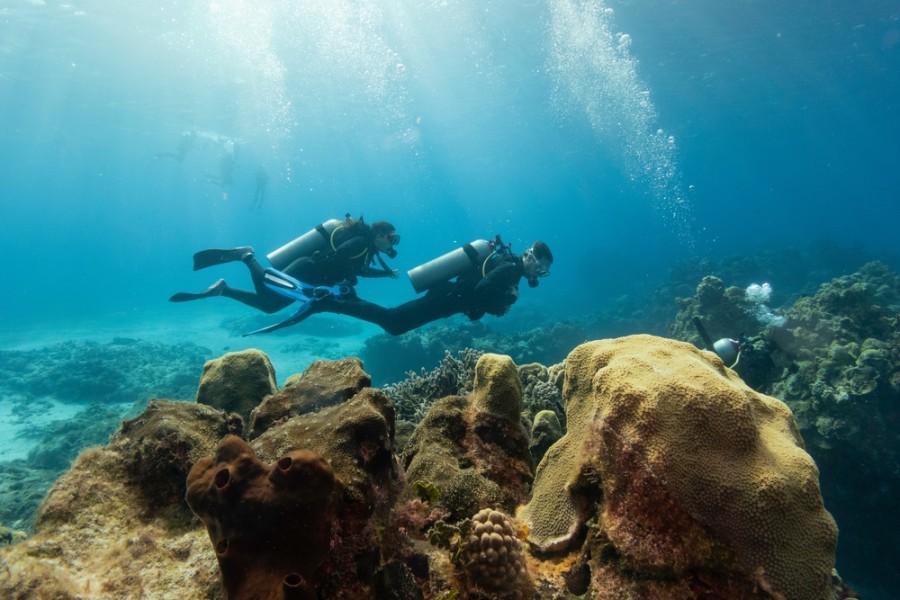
(450, 265)
(317, 239)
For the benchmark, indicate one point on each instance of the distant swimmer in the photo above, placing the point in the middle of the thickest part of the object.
(259, 194)
(223, 177)
(185, 143)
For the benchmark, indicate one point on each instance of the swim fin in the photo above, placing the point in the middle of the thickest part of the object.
(218, 256)
(304, 311)
(215, 289)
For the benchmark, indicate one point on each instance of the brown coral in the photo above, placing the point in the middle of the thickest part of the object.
(270, 526)
(693, 478)
(493, 556)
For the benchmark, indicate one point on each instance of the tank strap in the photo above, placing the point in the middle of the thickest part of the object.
(323, 232)
(472, 253)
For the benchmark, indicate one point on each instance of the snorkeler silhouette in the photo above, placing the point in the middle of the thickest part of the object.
(185, 144)
(259, 194)
(225, 166)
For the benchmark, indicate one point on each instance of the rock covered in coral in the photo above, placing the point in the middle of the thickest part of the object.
(95, 538)
(545, 431)
(325, 383)
(159, 445)
(270, 525)
(475, 449)
(497, 390)
(356, 436)
(237, 382)
(844, 390)
(493, 558)
(688, 483)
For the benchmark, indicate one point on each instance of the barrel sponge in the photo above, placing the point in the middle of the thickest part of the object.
(497, 389)
(730, 458)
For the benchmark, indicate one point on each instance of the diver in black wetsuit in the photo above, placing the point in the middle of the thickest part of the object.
(490, 287)
(333, 253)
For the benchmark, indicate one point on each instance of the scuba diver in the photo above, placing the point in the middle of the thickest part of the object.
(751, 358)
(326, 260)
(477, 279)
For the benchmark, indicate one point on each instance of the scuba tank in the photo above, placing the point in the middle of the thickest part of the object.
(450, 265)
(314, 240)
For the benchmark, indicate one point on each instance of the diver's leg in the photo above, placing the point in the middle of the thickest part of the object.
(215, 289)
(218, 256)
(262, 297)
(396, 320)
(416, 313)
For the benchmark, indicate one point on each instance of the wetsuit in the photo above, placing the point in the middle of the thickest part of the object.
(470, 294)
(350, 260)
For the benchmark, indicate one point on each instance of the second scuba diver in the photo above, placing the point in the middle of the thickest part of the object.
(326, 259)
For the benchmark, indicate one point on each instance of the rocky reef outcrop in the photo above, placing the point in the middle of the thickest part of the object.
(671, 475)
(833, 359)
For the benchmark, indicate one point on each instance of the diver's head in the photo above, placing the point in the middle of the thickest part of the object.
(537, 261)
(385, 237)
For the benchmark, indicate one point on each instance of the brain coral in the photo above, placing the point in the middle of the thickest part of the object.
(699, 485)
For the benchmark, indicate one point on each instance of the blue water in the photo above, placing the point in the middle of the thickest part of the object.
(626, 134)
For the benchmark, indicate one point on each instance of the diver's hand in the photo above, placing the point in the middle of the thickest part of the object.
(394, 274)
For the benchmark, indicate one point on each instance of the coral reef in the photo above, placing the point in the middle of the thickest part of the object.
(237, 382)
(124, 370)
(160, 444)
(453, 377)
(475, 449)
(100, 534)
(843, 386)
(724, 312)
(391, 358)
(834, 363)
(107, 381)
(683, 480)
(256, 517)
(656, 429)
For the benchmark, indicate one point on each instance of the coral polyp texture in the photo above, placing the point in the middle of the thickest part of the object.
(677, 480)
(270, 525)
(493, 556)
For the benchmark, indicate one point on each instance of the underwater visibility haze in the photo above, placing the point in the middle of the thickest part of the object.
(648, 143)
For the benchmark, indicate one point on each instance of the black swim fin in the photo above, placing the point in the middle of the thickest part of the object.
(215, 289)
(218, 256)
